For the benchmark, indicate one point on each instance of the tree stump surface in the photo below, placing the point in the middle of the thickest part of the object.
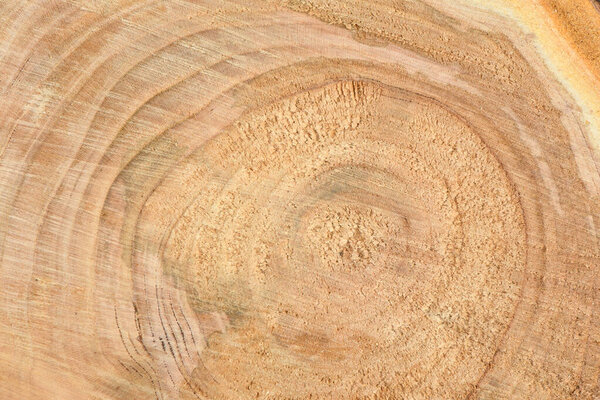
(301, 199)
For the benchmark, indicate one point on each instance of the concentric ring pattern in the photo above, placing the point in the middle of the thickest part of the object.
(239, 200)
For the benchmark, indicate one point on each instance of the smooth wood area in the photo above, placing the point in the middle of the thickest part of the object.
(303, 199)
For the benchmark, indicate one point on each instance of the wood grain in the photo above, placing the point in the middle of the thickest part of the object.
(299, 199)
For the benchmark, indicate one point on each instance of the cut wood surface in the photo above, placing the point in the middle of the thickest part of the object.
(300, 199)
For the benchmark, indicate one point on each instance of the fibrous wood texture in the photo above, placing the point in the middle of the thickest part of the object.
(299, 200)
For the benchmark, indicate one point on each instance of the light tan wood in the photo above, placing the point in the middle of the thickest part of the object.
(299, 200)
